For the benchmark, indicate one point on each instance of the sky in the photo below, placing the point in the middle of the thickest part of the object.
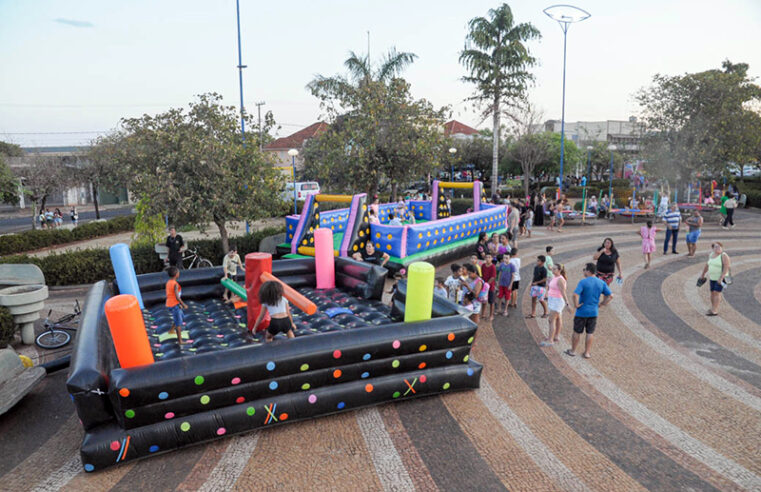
(70, 70)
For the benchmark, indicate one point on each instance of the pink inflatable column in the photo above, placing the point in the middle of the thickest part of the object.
(324, 261)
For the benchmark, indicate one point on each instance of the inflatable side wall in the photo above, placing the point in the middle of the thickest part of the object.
(430, 235)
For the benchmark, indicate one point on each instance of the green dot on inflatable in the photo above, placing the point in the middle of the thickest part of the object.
(304, 367)
(242, 325)
(185, 426)
(465, 359)
(129, 414)
(306, 386)
(395, 364)
(250, 411)
(470, 340)
(199, 380)
(396, 394)
(205, 399)
(446, 386)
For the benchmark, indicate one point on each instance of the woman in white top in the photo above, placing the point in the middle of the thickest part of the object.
(272, 300)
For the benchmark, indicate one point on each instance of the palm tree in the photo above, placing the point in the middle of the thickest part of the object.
(498, 60)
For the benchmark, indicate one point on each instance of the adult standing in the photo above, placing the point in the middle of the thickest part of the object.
(539, 211)
(512, 223)
(723, 209)
(694, 223)
(673, 220)
(717, 267)
(730, 204)
(176, 246)
(647, 233)
(556, 302)
(586, 300)
(663, 207)
(607, 261)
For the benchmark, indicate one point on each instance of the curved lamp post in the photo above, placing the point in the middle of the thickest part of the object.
(452, 152)
(565, 15)
(293, 153)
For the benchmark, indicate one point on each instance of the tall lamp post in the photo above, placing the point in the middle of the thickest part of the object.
(565, 15)
(452, 152)
(612, 149)
(293, 153)
(586, 180)
(241, 66)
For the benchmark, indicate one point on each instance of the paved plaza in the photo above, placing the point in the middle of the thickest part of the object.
(670, 400)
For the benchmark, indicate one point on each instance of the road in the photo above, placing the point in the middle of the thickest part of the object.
(22, 223)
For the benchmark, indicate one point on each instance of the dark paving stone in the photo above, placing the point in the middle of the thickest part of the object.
(453, 461)
(652, 304)
(164, 472)
(740, 294)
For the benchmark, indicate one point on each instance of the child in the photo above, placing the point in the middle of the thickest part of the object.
(397, 277)
(529, 221)
(174, 301)
(230, 264)
(548, 262)
(271, 298)
(474, 284)
(539, 287)
(467, 303)
(516, 262)
(506, 272)
(440, 288)
(453, 283)
(474, 261)
(489, 274)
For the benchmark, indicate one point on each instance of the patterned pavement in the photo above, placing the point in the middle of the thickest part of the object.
(670, 400)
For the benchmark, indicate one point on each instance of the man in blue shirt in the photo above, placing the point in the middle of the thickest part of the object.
(586, 299)
(672, 219)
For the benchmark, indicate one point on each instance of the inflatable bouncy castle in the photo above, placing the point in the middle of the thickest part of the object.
(138, 392)
(436, 236)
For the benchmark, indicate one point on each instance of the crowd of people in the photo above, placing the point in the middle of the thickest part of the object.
(54, 219)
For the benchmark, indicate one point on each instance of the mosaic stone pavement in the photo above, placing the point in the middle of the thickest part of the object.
(670, 400)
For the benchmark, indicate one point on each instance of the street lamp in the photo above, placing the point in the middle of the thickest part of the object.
(565, 15)
(452, 151)
(612, 149)
(293, 153)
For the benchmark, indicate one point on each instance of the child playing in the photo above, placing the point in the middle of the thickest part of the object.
(539, 287)
(397, 277)
(489, 274)
(230, 264)
(453, 283)
(506, 272)
(440, 288)
(174, 301)
(271, 298)
(516, 262)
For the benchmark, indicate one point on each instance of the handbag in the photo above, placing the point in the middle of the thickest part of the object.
(701, 281)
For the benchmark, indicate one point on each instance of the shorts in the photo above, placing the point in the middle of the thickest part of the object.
(491, 295)
(555, 304)
(606, 277)
(582, 324)
(692, 237)
(516, 285)
(529, 224)
(505, 292)
(178, 317)
(537, 291)
(279, 325)
(716, 286)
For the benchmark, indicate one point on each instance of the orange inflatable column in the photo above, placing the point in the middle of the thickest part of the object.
(125, 320)
(256, 264)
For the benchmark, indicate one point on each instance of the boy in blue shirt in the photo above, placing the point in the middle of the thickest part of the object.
(586, 300)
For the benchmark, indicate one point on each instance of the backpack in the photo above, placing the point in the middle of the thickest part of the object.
(483, 296)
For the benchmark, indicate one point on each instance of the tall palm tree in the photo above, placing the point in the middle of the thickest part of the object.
(498, 60)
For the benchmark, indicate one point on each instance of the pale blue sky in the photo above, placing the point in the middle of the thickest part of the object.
(79, 66)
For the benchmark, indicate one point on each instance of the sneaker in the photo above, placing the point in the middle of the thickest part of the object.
(732, 226)
(724, 227)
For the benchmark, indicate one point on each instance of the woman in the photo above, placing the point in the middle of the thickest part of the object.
(647, 233)
(557, 301)
(539, 211)
(559, 214)
(607, 261)
(473, 285)
(481, 247)
(717, 267)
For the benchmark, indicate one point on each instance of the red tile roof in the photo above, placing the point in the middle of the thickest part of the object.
(296, 140)
(454, 127)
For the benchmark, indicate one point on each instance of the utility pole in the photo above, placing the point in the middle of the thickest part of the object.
(259, 110)
(241, 66)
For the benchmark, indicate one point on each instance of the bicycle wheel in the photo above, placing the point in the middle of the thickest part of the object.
(204, 263)
(52, 339)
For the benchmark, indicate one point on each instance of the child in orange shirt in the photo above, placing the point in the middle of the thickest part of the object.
(174, 301)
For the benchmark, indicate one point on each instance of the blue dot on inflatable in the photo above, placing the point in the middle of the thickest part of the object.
(163, 395)
(270, 366)
(89, 467)
(341, 405)
(366, 357)
(449, 354)
(470, 372)
(365, 375)
(153, 448)
(273, 385)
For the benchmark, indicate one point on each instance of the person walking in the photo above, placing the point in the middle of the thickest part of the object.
(673, 220)
(647, 233)
(694, 223)
(717, 267)
(586, 300)
(556, 302)
(607, 261)
(730, 204)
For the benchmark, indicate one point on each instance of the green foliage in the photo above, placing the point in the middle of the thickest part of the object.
(8, 183)
(528, 152)
(149, 227)
(37, 239)
(753, 197)
(7, 326)
(90, 265)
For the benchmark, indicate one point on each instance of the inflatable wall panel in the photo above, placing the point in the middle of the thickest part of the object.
(421, 209)
(422, 237)
(387, 238)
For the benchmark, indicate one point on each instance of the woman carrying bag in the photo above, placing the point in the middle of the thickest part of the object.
(718, 268)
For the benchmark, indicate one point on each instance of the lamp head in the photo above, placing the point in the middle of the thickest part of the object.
(293, 152)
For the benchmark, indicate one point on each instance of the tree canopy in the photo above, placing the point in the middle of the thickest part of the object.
(8, 181)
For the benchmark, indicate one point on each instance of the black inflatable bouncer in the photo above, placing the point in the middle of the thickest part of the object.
(354, 352)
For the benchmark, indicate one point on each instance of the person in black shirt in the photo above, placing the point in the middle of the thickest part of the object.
(607, 261)
(371, 255)
(176, 246)
(539, 287)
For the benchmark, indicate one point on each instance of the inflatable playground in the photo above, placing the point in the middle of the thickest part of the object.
(435, 236)
(138, 392)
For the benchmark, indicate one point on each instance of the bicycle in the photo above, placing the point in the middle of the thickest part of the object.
(196, 260)
(54, 335)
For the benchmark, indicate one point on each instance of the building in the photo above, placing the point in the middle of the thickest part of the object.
(459, 131)
(298, 140)
(624, 134)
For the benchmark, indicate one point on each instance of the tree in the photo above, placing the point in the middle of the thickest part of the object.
(194, 167)
(530, 151)
(41, 178)
(10, 150)
(99, 168)
(498, 60)
(600, 160)
(552, 164)
(377, 132)
(9, 185)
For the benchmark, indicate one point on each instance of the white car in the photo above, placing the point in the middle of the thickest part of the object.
(303, 188)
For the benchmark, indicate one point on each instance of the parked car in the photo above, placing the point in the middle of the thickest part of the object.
(303, 188)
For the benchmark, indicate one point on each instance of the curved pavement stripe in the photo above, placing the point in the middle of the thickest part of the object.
(97, 482)
(63, 475)
(163, 472)
(231, 464)
(388, 464)
(205, 465)
(740, 295)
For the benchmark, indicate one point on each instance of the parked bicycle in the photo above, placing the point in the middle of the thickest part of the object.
(56, 332)
(196, 260)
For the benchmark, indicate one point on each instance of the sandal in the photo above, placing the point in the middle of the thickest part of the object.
(530, 316)
(711, 313)
(587, 356)
(569, 353)
(545, 315)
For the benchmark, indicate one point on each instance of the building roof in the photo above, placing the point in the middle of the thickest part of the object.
(454, 127)
(296, 140)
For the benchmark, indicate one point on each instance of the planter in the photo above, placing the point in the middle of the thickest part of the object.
(24, 303)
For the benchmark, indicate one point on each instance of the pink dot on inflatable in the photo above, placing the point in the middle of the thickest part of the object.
(115, 445)
(154, 326)
(312, 398)
(169, 415)
(221, 431)
(209, 319)
(235, 381)
(240, 399)
(157, 345)
(336, 354)
(237, 317)
(423, 379)
(190, 341)
(220, 336)
(396, 344)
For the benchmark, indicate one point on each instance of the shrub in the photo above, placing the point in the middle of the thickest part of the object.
(753, 197)
(37, 239)
(7, 327)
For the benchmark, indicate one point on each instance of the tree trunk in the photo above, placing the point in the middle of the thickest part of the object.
(34, 215)
(95, 200)
(223, 235)
(495, 149)
(525, 181)
(394, 186)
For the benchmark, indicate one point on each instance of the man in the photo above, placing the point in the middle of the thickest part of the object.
(371, 255)
(694, 222)
(672, 219)
(176, 246)
(586, 300)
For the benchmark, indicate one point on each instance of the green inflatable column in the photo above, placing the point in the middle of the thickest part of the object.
(420, 276)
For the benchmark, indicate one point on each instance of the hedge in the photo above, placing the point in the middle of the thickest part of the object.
(90, 265)
(7, 327)
(43, 238)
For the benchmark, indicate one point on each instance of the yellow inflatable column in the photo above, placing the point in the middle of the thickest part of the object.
(420, 276)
